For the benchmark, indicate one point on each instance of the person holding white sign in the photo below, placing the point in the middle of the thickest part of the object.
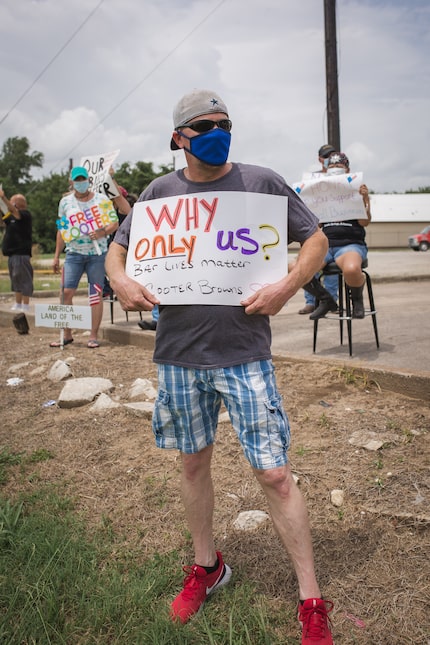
(17, 247)
(213, 353)
(330, 284)
(85, 221)
(347, 248)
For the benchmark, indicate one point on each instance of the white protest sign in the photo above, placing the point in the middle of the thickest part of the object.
(333, 198)
(208, 248)
(77, 221)
(3, 207)
(62, 316)
(98, 167)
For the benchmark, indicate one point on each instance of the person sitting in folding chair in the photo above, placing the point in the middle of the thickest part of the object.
(347, 248)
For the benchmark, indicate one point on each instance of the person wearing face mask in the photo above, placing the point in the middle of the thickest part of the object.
(347, 248)
(92, 219)
(330, 282)
(17, 246)
(206, 354)
(323, 156)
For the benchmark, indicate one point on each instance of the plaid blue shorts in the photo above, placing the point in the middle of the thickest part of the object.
(186, 410)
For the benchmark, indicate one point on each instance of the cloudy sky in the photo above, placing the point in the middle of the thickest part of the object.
(90, 76)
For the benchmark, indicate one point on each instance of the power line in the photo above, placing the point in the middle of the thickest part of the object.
(24, 94)
(145, 78)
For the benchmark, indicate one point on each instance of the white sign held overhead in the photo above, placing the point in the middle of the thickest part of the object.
(333, 198)
(98, 167)
(3, 207)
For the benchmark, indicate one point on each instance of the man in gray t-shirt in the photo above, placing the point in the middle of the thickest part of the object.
(213, 354)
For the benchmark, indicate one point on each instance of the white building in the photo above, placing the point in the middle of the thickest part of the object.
(397, 217)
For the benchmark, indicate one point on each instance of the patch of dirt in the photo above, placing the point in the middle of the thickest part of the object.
(371, 553)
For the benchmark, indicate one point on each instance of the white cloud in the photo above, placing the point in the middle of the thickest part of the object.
(124, 68)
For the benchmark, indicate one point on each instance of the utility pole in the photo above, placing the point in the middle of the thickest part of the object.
(332, 91)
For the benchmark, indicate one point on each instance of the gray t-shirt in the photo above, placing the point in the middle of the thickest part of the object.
(210, 336)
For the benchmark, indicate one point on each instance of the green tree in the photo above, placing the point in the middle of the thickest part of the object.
(43, 195)
(16, 162)
(135, 178)
(422, 189)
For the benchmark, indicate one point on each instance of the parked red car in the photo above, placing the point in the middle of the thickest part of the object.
(420, 241)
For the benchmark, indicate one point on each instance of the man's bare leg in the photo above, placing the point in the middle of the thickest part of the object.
(291, 522)
(198, 500)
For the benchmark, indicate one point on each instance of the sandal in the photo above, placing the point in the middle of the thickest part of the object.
(93, 344)
(57, 343)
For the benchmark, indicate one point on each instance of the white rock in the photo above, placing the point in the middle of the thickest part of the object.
(59, 371)
(143, 387)
(104, 402)
(80, 391)
(13, 369)
(337, 497)
(141, 408)
(38, 370)
(371, 440)
(249, 520)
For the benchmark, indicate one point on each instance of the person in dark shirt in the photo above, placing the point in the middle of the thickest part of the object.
(347, 248)
(17, 243)
(209, 353)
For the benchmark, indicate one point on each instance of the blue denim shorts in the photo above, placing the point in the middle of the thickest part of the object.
(186, 410)
(335, 252)
(77, 264)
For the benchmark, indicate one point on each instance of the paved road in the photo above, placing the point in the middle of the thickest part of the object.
(401, 284)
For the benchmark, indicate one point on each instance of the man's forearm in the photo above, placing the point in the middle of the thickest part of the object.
(310, 259)
(115, 262)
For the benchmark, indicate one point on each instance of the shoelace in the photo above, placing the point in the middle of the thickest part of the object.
(191, 584)
(315, 620)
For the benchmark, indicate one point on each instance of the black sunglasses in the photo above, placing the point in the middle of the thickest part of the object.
(205, 125)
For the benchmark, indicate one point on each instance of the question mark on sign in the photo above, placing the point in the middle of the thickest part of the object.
(269, 246)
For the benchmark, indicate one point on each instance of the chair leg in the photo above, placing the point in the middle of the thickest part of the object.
(341, 307)
(348, 302)
(345, 312)
(372, 307)
(315, 334)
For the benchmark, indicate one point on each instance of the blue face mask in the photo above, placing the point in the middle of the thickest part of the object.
(210, 147)
(81, 186)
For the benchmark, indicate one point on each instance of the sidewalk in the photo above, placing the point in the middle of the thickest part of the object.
(401, 285)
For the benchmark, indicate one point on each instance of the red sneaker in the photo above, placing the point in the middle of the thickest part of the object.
(198, 585)
(313, 616)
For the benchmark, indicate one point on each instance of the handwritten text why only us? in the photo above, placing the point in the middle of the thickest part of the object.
(196, 214)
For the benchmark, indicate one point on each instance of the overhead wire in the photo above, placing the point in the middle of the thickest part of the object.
(62, 48)
(145, 78)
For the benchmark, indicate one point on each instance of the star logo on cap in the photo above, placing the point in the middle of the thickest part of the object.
(214, 102)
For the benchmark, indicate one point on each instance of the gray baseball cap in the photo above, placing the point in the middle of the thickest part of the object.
(194, 104)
